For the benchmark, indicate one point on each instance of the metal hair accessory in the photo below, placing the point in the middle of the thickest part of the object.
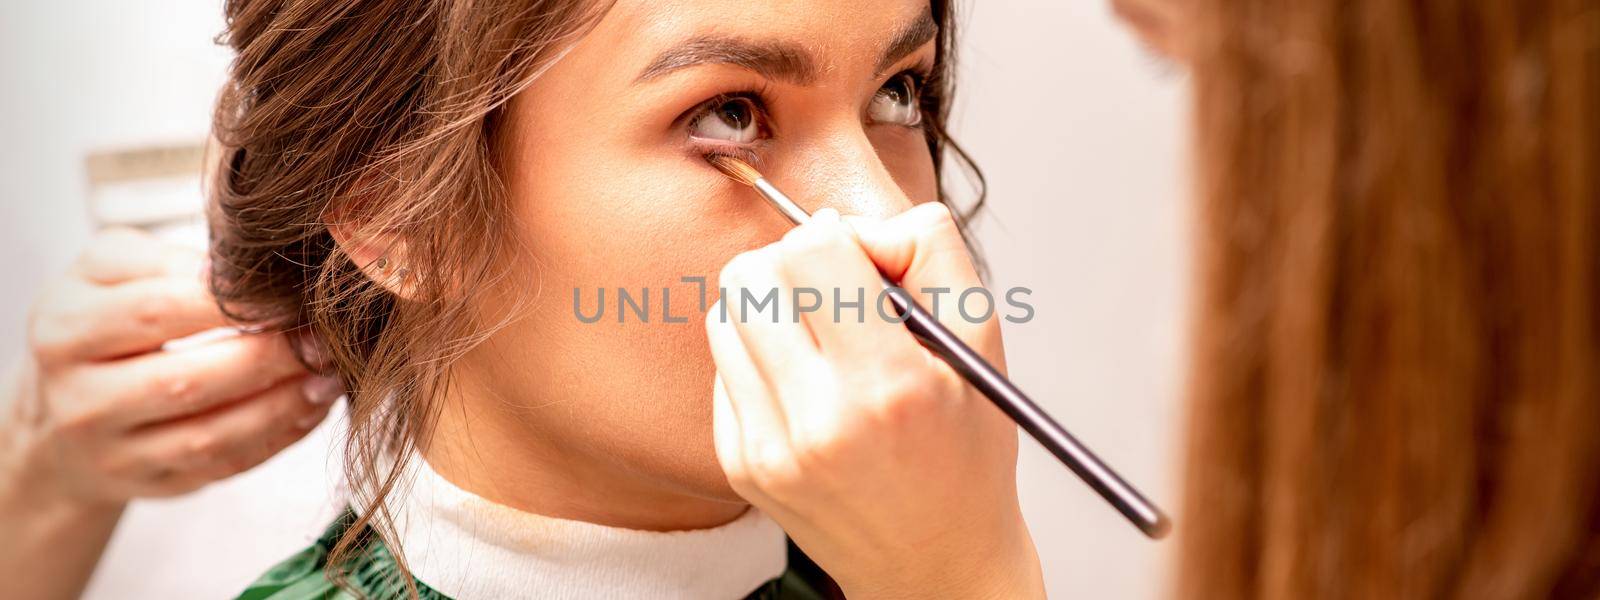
(382, 264)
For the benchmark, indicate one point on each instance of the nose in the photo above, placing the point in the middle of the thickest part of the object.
(842, 170)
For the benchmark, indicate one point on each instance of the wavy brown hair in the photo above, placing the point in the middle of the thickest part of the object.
(383, 114)
(1395, 389)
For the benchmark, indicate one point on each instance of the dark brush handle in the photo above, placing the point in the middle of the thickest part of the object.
(998, 389)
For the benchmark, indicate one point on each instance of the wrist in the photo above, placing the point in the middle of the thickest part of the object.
(1002, 565)
(53, 535)
(1012, 572)
(30, 482)
(1018, 576)
(29, 487)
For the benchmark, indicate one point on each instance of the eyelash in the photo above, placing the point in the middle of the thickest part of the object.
(746, 152)
(757, 97)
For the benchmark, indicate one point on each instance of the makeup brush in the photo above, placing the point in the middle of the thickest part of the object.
(981, 375)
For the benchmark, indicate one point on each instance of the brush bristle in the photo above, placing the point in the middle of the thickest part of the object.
(736, 169)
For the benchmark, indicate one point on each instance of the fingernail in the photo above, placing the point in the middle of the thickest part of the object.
(826, 215)
(322, 390)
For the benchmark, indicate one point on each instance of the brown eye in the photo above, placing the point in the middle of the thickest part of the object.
(729, 120)
(898, 102)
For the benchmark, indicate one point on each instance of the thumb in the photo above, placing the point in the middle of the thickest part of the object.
(922, 249)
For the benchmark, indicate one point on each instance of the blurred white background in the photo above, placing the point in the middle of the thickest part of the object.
(1079, 131)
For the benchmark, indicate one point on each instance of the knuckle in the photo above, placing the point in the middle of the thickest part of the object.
(936, 223)
(181, 458)
(178, 389)
(205, 448)
(77, 407)
(817, 453)
(272, 350)
(48, 339)
(114, 240)
(773, 469)
(77, 427)
(53, 330)
(900, 398)
(936, 216)
(103, 246)
(112, 467)
(289, 406)
(905, 385)
(152, 310)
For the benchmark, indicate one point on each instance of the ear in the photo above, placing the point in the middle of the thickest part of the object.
(381, 257)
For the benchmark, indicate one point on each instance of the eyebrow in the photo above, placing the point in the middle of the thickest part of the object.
(908, 39)
(776, 59)
(770, 59)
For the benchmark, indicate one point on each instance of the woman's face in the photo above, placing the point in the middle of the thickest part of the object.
(602, 157)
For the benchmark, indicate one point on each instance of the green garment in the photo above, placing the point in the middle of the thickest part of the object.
(373, 573)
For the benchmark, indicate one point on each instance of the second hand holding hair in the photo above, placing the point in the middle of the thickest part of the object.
(982, 376)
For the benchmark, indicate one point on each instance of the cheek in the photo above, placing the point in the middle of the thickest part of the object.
(598, 209)
(646, 226)
(651, 224)
(643, 225)
(906, 156)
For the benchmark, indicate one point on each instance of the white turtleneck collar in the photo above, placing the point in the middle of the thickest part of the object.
(470, 548)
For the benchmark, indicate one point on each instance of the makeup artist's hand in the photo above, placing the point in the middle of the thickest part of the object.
(877, 458)
(99, 413)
